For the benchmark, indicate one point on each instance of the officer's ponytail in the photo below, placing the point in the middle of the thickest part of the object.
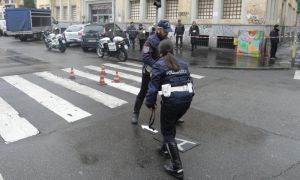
(166, 50)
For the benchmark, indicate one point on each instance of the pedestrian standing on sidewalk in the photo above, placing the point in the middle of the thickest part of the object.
(172, 77)
(274, 38)
(179, 32)
(132, 33)
(194, 33)
(141, 36)
(150, 55)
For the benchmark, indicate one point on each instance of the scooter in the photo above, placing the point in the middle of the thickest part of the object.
(54, 41)
(113, 48)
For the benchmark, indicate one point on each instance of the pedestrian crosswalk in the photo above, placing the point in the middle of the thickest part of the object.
(297, 75)
(14, 127)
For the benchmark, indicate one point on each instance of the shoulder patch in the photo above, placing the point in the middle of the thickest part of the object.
(146, 49)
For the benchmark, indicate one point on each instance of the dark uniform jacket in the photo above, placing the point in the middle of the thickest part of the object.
(194, 30)
(132, 32)
(179, 29)
(162, 74)
(274, 35)
(150, 52)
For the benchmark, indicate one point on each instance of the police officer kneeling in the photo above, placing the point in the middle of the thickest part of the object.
(172, 77)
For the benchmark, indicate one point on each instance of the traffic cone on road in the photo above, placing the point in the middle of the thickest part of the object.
(103, 70)
(116, 78)
(72, 74)
(101, 81)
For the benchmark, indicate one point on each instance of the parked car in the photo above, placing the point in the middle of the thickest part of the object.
(93, 32)
(73, 34)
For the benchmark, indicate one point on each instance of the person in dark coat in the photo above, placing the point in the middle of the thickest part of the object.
(179, 32)
(194, 33)
(150, 56)
(171, 76)
(141, 36)
(132, 33)
(274, 38)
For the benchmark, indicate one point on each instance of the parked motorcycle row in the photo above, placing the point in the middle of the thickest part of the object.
(112, 47)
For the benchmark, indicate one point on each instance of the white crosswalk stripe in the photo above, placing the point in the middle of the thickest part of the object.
(123, 75)
(12, 126)
(297, 75)
(61, 107)
(108, 100)
(122, 86)
(196, 76)
(131, 64)
(1, 177)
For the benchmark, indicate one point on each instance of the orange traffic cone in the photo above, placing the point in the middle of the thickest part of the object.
(103, 70)
(72, 74)
(117, 77)
(101, 81)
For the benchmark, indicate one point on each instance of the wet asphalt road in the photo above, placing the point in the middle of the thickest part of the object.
(247, 124)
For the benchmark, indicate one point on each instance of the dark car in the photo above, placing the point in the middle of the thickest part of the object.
(93, 32)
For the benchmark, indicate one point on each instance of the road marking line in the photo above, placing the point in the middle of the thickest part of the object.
(196, 76)
(1, 177)
(12, 126)
(297, 75)
(106, 99)
(59, 106)
(132, 64)
(122, 75)
(123, 68)
(121, 86)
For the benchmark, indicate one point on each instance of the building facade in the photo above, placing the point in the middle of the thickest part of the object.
(216, 18)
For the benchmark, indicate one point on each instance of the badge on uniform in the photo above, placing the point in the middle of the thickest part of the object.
(146, 49)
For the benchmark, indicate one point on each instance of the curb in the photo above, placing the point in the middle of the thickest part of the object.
(233, 68)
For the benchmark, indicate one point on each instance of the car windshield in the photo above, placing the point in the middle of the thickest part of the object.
(74, 28)
(93, 29)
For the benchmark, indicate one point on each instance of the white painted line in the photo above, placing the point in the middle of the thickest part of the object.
(145, 127)
(1, 177)
(297, 75)
(106, 99)
(196, 76)
(12, 126)
(54, 103)
(132, 64)
(122, 75)
(123, 68)
(121, 86)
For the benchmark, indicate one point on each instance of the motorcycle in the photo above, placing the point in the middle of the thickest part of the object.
(115, 48)
(55, 41)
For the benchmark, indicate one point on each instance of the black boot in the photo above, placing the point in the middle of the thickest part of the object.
(175, 168)
(136, 112)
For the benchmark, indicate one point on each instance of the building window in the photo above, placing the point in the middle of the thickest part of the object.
(57, 13)
(135, 9)
(205, 9)
(73, 13)
(232, 9)
(151, 9)
(171, 9)
(65, 13)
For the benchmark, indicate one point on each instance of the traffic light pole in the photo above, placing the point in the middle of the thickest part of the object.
(156, 16)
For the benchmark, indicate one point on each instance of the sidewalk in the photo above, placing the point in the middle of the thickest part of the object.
(204, 57)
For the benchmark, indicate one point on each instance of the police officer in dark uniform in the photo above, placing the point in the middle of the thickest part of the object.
(172, 77)
(150, 55)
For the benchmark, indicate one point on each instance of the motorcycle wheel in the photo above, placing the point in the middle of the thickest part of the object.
(123, 55)
(100, 52)
(62, 49)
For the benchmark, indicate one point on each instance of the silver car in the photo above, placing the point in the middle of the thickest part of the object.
(73, 34)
